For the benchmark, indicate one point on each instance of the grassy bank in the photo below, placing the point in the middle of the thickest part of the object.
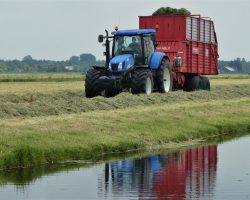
(51, 122)
(89, 135)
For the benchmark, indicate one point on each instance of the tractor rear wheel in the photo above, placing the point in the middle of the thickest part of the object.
(141, 81)
(92, 86)
(164, 77)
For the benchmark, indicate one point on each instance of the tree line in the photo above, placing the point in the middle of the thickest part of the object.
(74, 64)
(83, 62)
(238, 65)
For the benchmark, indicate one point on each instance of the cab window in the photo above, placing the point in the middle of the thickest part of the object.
(148, 47)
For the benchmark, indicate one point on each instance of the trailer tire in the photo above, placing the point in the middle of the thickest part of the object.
(164, 77)
(92, 87)
(196, 83)
(193, 83)
(205, 83)
(141, 81)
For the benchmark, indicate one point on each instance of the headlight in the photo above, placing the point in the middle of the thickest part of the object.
(120, 66)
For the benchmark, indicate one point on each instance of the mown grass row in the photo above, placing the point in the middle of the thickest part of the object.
(57, 99)
(34, 141)
(69, 76)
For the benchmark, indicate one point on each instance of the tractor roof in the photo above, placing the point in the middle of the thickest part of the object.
(134, 32)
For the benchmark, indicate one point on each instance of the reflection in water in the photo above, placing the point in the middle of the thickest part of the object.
(24, 176)
(189, 174)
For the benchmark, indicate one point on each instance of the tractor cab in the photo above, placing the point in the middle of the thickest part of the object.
(131, 48)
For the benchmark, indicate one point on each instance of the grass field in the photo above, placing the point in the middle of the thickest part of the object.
(47, 122)
(39, 77)
(20, 88)
(34, 99)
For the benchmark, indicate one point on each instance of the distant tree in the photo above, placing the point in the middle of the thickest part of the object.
(27, 58)
(88, 58)
(74, 60)
(244, 65)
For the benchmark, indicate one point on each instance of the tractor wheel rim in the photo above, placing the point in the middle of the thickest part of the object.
(166, 80)
(148, 85)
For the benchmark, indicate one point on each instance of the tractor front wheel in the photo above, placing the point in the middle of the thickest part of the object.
(92, 86)
(142, 81)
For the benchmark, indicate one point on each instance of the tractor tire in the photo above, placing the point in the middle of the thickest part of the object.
(110, 92)
(193, 83)
(142, 81)
(92, 87)
(205, 83)
(164, 77)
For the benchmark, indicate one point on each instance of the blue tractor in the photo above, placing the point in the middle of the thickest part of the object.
(132, 65)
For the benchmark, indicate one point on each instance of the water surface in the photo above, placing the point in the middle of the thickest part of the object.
(209, 172)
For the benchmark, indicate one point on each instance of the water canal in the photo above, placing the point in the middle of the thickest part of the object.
(209, 172)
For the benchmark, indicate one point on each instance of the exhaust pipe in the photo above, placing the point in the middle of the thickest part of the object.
(107, 53)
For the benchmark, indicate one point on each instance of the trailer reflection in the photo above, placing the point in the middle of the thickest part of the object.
(187, 174)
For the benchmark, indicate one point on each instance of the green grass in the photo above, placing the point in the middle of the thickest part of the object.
(40, 77)
(55, 123)
(230, 76)
(89, 135)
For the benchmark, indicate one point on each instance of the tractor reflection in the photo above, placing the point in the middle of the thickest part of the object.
(184, 175)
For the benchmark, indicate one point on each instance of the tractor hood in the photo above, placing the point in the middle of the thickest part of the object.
(121, 63)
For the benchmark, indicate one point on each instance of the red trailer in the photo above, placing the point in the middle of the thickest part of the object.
(190, 43)
(166, 53)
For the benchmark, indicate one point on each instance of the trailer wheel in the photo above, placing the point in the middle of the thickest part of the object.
(196, 83)
(205, 83)
(92, 87)
(193, 83)
(141, 81)
(164, 77)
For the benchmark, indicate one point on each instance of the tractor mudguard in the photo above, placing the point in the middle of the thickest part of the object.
(155, 60)
(99, 67)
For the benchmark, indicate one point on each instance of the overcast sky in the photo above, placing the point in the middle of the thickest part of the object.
(58, 29)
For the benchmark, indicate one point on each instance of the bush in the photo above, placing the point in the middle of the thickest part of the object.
(171, 11)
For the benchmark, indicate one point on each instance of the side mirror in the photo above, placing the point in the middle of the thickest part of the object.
(100, 38)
